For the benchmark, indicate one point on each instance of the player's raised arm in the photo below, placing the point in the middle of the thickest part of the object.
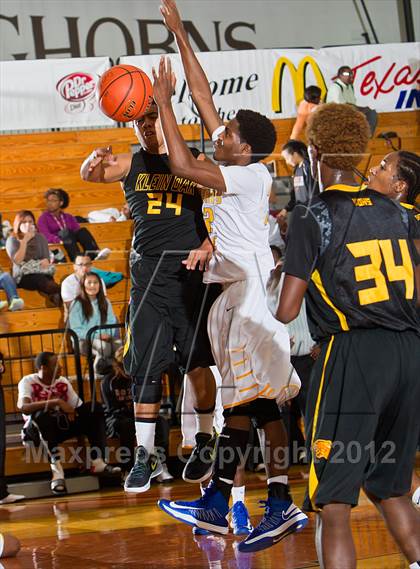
(181, 160)
(103, 166)
(194, 73)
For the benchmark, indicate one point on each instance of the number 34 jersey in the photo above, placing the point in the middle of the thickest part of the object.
(356, 248)
(166, 209)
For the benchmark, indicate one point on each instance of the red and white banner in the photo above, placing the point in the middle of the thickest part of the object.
(51, 93)
(60, 93)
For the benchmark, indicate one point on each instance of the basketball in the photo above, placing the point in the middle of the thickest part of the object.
(124, 93)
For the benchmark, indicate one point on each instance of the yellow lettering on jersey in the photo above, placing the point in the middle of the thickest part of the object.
(155, 203)
(208, 216)
(170, 204)
(371, 271)
(395, 272)
(378, 252)
(360, 202)
(142, 182)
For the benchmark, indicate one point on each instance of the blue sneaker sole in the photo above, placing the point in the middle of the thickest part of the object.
(190, 520)
(242, 531)
(266, 542)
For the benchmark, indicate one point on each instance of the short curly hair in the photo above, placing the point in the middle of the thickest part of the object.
(257, 131)
(340, 133)
(408, 170)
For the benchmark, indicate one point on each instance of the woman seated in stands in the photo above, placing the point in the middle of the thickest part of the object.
(119, 417)
(28, 250)
(7, 283)
(60, 227)
(92, 308)
(54, 413)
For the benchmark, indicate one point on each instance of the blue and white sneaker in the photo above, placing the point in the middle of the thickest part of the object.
(208, 512)
(280, 520)
(239, 520)
(198, 531)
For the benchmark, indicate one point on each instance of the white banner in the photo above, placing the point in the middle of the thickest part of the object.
(51, 93)
(61, 93)
(387, 78)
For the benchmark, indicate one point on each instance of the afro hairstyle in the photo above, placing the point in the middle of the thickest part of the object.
(340, 133)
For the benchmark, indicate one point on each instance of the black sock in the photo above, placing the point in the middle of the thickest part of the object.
(280, 491)
(231, 448)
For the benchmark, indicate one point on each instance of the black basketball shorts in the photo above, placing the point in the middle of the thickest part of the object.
(362, 417)
(168, 309)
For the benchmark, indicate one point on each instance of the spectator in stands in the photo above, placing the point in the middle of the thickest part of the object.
(110, 214)
(5, 497)
(342, 91)
(70, 287)
(311, 100)
(54, 413)
(7, 283)
(29, 252)
(305, 187)
(119, 416)
(9, 545)
(60, 227)
(92, 308)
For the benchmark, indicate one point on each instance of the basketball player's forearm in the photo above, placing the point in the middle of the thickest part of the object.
(198, 83)
(180, 158)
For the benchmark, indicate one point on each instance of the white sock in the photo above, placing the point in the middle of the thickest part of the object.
(279, 479)
(204, 423)
(415, 565)
(57, 470)
(238, 494)
(98, 465)
(145, 435)
(416, 497)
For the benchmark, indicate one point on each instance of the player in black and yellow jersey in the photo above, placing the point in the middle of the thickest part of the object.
(168, 303)
(353, 252)
(398, 175)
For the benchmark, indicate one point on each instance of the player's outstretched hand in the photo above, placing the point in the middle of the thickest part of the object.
(102, 155)
(171, 17)
(163, 84)
(200, 257)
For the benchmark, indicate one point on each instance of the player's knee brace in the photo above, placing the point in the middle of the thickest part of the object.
(148, 391)
(265, 411)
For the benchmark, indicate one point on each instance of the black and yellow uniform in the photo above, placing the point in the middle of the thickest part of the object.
(168, 303)
(356, 249)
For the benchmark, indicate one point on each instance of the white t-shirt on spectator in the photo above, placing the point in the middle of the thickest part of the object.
(31, 386)
(70, 288)
(240, 226)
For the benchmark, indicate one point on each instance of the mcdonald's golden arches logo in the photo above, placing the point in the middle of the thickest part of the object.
(298, 76)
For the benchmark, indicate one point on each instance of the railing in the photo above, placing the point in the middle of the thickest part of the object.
(19, 350)
(90, 356)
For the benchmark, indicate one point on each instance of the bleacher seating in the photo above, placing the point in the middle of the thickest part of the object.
(32, 163)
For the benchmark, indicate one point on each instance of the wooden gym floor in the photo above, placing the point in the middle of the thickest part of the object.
(112, 530)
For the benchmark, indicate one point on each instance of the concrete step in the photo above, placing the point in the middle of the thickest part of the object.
(41, 488)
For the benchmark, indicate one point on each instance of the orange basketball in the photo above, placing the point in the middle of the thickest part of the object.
(124, 93)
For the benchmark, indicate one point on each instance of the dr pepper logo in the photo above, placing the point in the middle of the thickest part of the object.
(77, 86)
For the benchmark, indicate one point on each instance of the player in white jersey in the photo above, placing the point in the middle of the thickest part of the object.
(251, 351)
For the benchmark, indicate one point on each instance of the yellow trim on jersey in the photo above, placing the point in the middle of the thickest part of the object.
(248, 400)
(407, 205)
(313, 479)
(316, 278)
(127, 341)
(233, 350)
(345, 188)
(243, 375)
(248, 388)
(240, 362)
